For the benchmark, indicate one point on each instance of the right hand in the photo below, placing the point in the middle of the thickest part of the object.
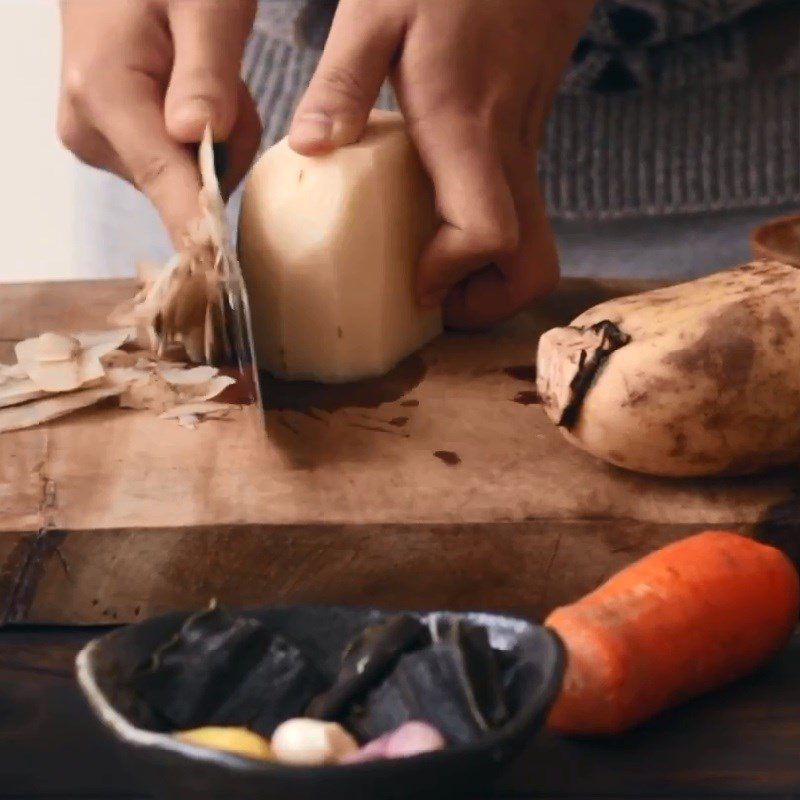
(140, 81)
(475, 80)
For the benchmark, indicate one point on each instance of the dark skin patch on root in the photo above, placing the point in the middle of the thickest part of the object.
(725, 351)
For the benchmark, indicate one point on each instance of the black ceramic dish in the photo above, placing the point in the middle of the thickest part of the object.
(178, 770)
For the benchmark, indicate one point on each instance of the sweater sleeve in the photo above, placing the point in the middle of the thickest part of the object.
(629, 44)
(643, 23)
(301, 22)
(615, 24)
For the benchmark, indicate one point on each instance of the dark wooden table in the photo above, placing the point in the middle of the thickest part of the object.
(81, 542)
(743, 742)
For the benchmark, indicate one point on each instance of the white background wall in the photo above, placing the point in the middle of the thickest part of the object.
(36, 173)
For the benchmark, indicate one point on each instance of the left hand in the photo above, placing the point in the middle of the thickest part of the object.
(475, 80)
(140, 81)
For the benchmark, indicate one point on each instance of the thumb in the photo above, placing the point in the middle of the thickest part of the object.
(209, 39)
(363, 41)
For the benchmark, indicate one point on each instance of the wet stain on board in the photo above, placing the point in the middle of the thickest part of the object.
(307, 396)
(522, 372)
(448, 457)
(241, 393)
(527, 398)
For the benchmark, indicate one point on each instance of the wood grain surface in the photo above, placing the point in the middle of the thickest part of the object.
(741, 742)
(442, 484)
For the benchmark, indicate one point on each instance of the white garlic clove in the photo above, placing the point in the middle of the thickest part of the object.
(310, 742)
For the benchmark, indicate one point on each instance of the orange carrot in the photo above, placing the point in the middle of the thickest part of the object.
(685, 619)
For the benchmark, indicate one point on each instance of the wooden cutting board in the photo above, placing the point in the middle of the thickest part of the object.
(442, 484)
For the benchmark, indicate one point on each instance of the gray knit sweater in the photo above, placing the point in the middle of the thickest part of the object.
(669, 106)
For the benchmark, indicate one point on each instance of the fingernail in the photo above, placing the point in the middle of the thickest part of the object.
(313, 127)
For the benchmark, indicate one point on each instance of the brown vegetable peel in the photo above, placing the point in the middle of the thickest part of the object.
(197, 303)
(198, 411)
(15, 391)
(30, 415)
(62, 363)
(194, 309)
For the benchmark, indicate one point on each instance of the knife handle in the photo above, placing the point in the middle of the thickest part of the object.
(220, 159)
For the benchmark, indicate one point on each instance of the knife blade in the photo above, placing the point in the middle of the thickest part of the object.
(237, 345)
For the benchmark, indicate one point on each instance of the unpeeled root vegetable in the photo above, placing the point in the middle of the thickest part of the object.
(329, 246)
(240, 741)
(310, 742)
(702, 378)
(686, 619)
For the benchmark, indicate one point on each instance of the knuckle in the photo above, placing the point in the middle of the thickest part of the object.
(151, 173)
(205, 83)
(213, 79)
(342, 84)
(70, 132)
(494, 237)
(76, 85)
(75, 135)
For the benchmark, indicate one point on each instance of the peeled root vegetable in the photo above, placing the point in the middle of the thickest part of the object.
(686, 619)
(702, 378)
(328, 247)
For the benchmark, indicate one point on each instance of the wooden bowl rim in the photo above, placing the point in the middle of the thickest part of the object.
(761, 249)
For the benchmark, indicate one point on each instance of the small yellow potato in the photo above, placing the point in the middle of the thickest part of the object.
(241, 741)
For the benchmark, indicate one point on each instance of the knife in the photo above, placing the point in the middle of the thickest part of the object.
(237, 345)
